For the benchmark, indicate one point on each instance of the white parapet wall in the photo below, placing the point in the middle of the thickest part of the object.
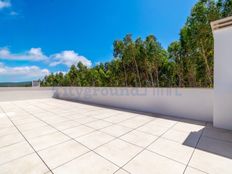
(188, 103)
(222, 30)
(25, 93)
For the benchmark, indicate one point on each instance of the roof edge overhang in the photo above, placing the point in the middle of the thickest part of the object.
(222, 23)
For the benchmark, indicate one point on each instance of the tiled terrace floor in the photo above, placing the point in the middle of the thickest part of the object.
(55, 136)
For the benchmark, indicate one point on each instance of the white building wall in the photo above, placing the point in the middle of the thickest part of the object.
(188, 103)
(24, 93)
(223, 78)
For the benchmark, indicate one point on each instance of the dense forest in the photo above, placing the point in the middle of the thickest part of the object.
(187, 62)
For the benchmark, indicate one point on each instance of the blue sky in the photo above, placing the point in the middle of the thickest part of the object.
(40, 37)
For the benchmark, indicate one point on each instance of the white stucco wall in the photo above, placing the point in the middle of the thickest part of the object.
(180, 102)
(223, 78)
(24, 93)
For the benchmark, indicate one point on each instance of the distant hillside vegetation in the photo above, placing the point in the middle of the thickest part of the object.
(15, 84)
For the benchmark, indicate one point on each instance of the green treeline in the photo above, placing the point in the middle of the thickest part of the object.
(187, 62)
(15, 84)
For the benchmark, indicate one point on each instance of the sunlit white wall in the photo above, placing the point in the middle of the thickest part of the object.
(223, 78)
(191, 103)
(24, 93)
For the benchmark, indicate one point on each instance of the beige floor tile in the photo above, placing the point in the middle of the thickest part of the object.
(210, 163)
(139, 138)
(10, 139)
(78, 131)
(95, 139)
(8, 130)
(153, 129)
(48, 173)
(150, 163)
(62, 153)
(188, 127)
(100, 124)
(213, 154)
(116, 130)
(89, 113)
(117, 118)
(190, 170)
(66, 125)
(5, 123)
(85, 120)
(45, 115)
(25, 121)
(20, 119)
(73, 116)
(118, 151)
(3, 126)
(56, 120)
(32, 133)
(164, 122)
(14, 151)
(47, 119)
(172, 150)
(30, 164)
(102, 115)
(19, 114)
(121, 172)
(135, 122)
(82, 165)
(186, 138)
(33, 125)
(48, 140)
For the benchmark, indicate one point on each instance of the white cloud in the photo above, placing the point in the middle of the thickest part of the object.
(57, 72)
(4, 4)
(69, 58)
(34, 54)
(20, 73)
(14, 13)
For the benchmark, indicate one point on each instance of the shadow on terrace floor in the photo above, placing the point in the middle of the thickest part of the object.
(209, 139)
(212, 140)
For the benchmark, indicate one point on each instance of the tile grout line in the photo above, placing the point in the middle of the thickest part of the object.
(83, 124)
(198, 170)
(93, 150)
(194, 149)
(27, 141)
(153, 151)
(119, 136)
(100, 129)
(145, 148)
(97, 119)
(94, 130)
(87, 146)
(77, 142)
(17, 159)
(103, 119)
(119, 139)
(107, 107)
(52, 126)
(12, 143)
